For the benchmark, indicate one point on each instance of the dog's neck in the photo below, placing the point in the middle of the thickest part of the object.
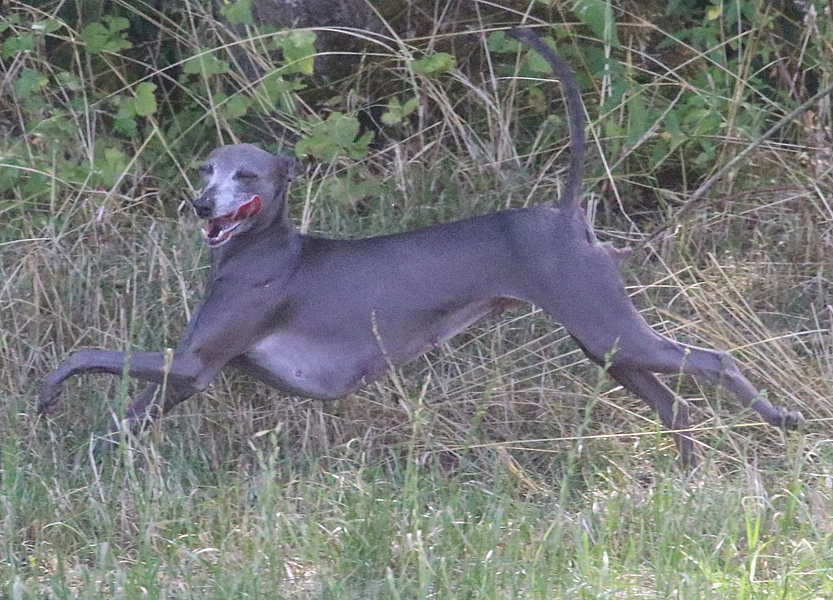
(277, 240)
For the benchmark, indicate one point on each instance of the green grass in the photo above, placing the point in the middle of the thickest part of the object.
(502, 465)
(169, 522)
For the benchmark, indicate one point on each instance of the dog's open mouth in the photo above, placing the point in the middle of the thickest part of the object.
(220, 229)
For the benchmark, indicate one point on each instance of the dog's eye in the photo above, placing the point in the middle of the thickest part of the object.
(205, 170)
(245, 176)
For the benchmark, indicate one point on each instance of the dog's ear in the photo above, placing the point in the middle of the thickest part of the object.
(296, 169)
(289, 168)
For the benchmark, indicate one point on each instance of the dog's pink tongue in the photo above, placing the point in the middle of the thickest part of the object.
(250, 209)
(215, 233)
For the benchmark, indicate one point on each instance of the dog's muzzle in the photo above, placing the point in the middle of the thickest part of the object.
(221, 229)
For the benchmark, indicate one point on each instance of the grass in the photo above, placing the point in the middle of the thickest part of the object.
(169, 522)
(502, 465)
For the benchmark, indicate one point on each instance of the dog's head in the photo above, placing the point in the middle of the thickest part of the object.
(243, 187)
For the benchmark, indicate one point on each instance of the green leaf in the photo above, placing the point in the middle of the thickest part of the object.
(359, 149)
(206, 64)
(435, 64)
(10, 174)
(104, 39)
(233, 107)
(110, 36)
(672, 122)
(341, 129)
(237, 106)
(598, 16)
(18, 44)
(124, 121)
(498, 41)
(117, 24)
(111, 166)
(350, 191)
(238, 12)
(327, 140)
(142, 104)
(69, 81)
(397, 112)
(28, 82)
(537, 100)
(714, 12)
(659, 152)
(637, 118)
(299, 51)
(613, 133)
(538, 64)
(273, 86)
(47, 26)
(619, 87)
(145, 101)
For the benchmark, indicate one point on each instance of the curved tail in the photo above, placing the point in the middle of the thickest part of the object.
(575, 112)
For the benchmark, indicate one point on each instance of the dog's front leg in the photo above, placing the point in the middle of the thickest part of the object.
(148, 405)
(181, 372)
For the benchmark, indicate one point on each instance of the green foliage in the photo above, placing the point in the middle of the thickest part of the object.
(108, 36)
(21, 43)
(656, 128)
(337, 136)
(238, 12)
(396, 111)
(205, 64)
(196, 89)
(28, 83)
(233, 107)
(498, 41)
(164, 108)
(298, 48)
(144, 104)
(598, 16)
(435, 64)
(351, 190)
(111, 164)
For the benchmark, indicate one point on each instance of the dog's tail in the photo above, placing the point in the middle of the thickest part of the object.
(575, 112)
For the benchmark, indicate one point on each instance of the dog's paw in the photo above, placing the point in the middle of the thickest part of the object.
(793, 420)
(50, 395)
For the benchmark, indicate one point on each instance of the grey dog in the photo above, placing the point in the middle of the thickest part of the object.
(320, 318)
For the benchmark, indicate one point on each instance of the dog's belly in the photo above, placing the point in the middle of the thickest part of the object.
(296, 365)
(334, 366)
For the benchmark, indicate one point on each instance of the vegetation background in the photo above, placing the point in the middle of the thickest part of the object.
(503, 465)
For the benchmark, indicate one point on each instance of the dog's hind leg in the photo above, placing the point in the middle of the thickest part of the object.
(663, 355)
(604, 322)
(673, 411)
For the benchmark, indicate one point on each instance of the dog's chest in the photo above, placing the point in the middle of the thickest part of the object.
(304, 366)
